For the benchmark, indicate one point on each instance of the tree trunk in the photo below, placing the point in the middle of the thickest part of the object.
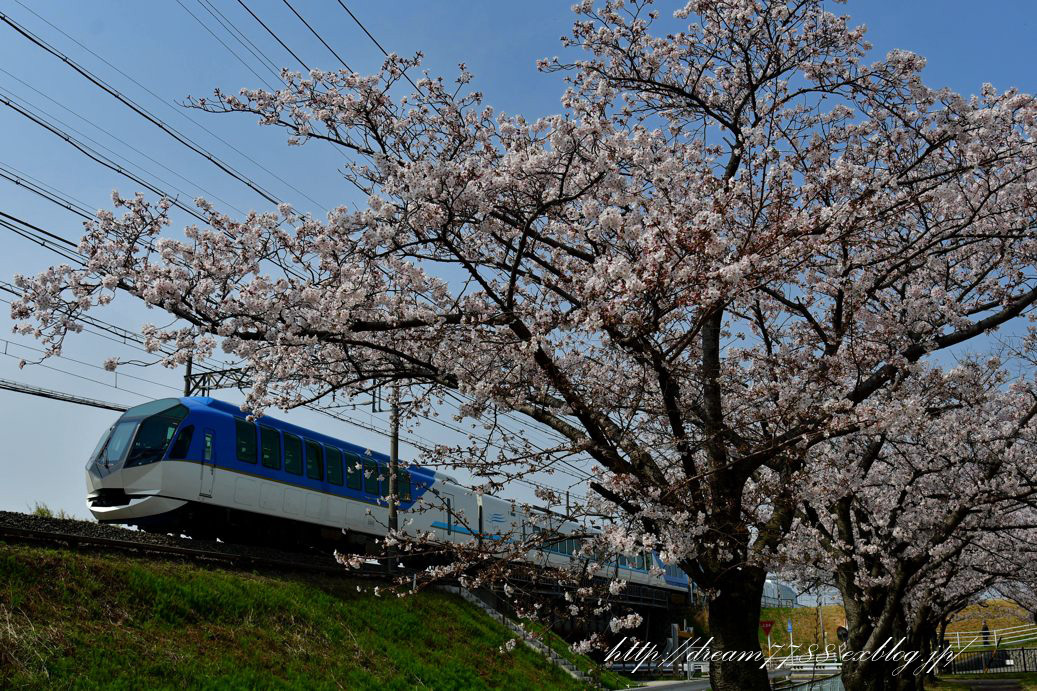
(891, 675)
(734, 621)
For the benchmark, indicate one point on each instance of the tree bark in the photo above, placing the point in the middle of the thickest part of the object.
(734, 620)
(892, 675)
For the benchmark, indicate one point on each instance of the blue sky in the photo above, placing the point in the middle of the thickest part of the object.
(162, 46)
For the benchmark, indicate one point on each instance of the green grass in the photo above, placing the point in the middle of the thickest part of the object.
(75, 621)
(605, 677)
(43, 511)
(1028, 680)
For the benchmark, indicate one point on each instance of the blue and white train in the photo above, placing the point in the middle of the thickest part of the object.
(196, 465)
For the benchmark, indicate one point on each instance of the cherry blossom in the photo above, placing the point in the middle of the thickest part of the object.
(736, 248)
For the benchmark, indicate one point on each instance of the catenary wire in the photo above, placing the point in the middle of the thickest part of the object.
(179, 111)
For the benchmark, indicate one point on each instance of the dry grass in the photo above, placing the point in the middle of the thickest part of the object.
(23, 647)
(998, 614)
(806, 630)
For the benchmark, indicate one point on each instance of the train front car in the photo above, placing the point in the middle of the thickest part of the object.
(124, 477)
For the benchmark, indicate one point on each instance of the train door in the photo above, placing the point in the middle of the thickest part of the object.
(482, 529)
(448, 524)
(208, 478)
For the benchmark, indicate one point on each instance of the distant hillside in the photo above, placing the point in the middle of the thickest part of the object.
(72, 620)
(805, 630)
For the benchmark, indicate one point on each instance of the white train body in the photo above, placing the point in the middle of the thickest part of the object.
(195, 465)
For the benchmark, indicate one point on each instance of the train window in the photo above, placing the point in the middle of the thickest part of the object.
(333, 457)
(293, 454)
(96, 453)
(383, 480)
(246, 434)
(354, 470)
(404, 485)
(370, 477)
(117, 443)
(207, 451)
(270, 445)
(449, 517)
(182, 444)
(154, 436)
(314, 461)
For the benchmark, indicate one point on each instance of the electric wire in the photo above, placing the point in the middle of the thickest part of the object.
(374, 40)
(121, 141)
(276, 37)
(97, 156)
(239, 36)
(223, 43)
(8, 344)
(20, 179)
(319, 38)
(132, 105)
(179, 111)
(40, 117)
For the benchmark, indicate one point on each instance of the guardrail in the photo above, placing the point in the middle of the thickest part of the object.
(1008, 636)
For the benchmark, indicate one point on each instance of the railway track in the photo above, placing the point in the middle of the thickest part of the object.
(238, 559)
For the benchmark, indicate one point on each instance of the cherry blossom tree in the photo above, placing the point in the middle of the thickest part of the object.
(726, 245)
(925, 513)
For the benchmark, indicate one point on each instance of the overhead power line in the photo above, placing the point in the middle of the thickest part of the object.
(374, 40)
(319, 38)
(17, 387)
(117, 333)
(240, 36)
(53, 236)
(96, 156)
(107, 132)
(224, 44)
(132, 105)
(24, 181)
(179, 111)
(317, 35)
(276, 37)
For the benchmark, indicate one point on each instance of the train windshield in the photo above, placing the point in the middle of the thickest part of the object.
(154, 435)
(118, 441)
(141, 435)
(100, 445)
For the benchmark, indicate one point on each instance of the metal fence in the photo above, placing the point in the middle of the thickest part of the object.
(1007, 637)
(832, 683)
(972, 661)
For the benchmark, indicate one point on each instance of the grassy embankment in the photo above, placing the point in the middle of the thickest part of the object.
(605, 677)
(805, 630)
(79, 621)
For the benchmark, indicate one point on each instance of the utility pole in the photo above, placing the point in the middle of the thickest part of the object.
(394, 457)
(821, 622)
(187, 377)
